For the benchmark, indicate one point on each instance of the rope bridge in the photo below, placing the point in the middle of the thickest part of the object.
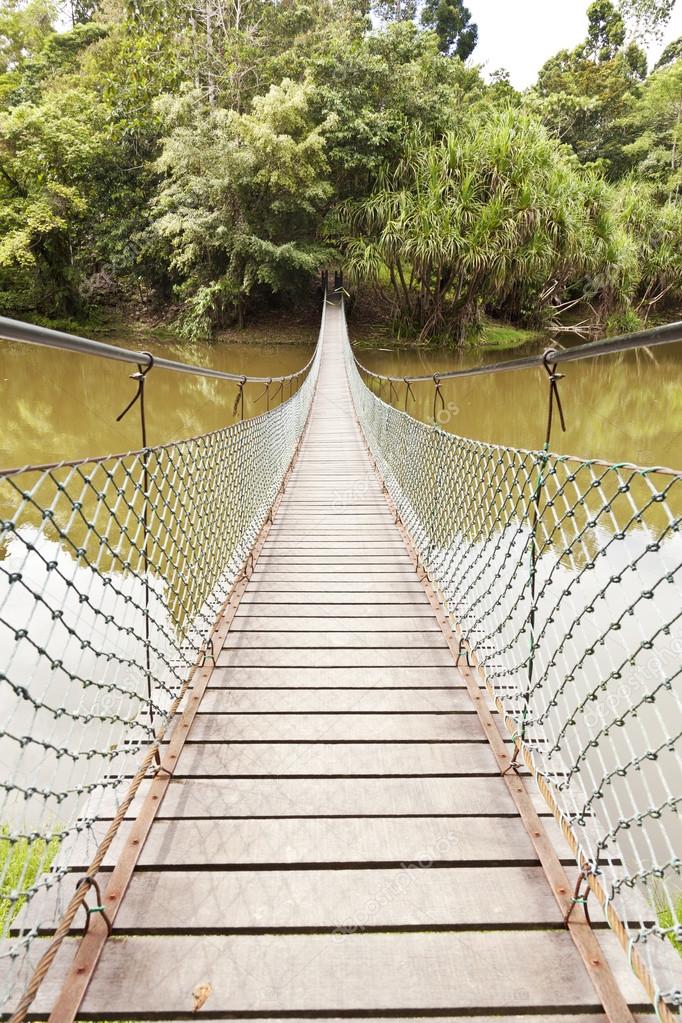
(112, 572)
(560, 576)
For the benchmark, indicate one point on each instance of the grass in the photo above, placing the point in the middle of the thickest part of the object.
(503, 336)
(665, 919)
(21, 863)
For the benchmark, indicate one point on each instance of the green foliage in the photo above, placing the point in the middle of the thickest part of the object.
(240, 200)
(23, 29)
(605, 33)
(46, 155)
(669, 917)
(655, 125)
(210, 154)
(496, 215)
(451, 21)
(584, 94)
(369, 94)
(22, 861)
(671, 53)
(649, 16)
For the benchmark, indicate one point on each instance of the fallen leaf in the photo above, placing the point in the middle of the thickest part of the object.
(200, 994)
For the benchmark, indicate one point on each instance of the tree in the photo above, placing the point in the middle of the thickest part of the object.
(451, 21)
(655, 124)
(240, 201)
(392, 11)
(656, 230)
(371, 91)
(606, 31)
(583, 94)
(649, 16)
(671, 53)
(47, 156)
(495, 215)
(23, 30)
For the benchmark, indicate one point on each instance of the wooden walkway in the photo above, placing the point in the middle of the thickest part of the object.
(337, 839)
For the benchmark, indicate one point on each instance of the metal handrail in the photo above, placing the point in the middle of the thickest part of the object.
(29, 333)
(651, 338)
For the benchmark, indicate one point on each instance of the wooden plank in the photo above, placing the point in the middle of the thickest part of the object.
(329, 544)
(323, 615)
(335, 758)
(389, 589)
(549, 1014)
(532, 970)
(338, 701)
(375, 795)
(335, 676)
(336, 797)
(334, 573)
(579, 1017)
(331, 639)
(335, 727)
(342, 562)
(345, 901)
(378, 597)
(337, 658)
(333, 841)
(339, 533)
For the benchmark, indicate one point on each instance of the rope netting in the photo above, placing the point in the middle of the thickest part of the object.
(113, 572)
(561, 575)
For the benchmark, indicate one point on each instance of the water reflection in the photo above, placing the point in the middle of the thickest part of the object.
(59, 405)
(626, 407)
(564, 576)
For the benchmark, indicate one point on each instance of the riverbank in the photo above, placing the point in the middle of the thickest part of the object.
(369, 320)
(370, 324)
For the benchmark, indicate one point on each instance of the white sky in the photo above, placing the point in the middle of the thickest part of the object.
(520, 35)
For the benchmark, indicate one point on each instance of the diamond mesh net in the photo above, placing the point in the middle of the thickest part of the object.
(112, 573)
(562, 577)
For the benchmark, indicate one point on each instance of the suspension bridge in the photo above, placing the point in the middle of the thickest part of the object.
(331, 714)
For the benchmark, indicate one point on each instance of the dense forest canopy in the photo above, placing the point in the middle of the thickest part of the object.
(210, 155)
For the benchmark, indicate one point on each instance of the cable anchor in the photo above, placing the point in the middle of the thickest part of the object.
(548, 361)
(99, 908)
(581, 894)
(437, 394)
(239, 400)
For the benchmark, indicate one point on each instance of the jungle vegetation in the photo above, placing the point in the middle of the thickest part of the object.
(206, 157)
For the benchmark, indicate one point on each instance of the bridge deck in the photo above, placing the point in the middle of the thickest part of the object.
(337, 838)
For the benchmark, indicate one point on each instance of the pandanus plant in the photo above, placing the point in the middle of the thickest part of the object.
(496, 215)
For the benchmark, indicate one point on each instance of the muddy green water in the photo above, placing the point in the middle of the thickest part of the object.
(61, 405)
(625, 407)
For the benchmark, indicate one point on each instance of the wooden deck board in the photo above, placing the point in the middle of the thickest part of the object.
(326, 639)
(336, 748)
(331, 842)
(294, 614)
(348, 901)
(336, 658)
(310, 620)
(339, 701)
(336, 797)
(389, 972)
(335, 676)
(337, 727)
(338, 758)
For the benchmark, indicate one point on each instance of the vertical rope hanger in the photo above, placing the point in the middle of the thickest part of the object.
(138, 398)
